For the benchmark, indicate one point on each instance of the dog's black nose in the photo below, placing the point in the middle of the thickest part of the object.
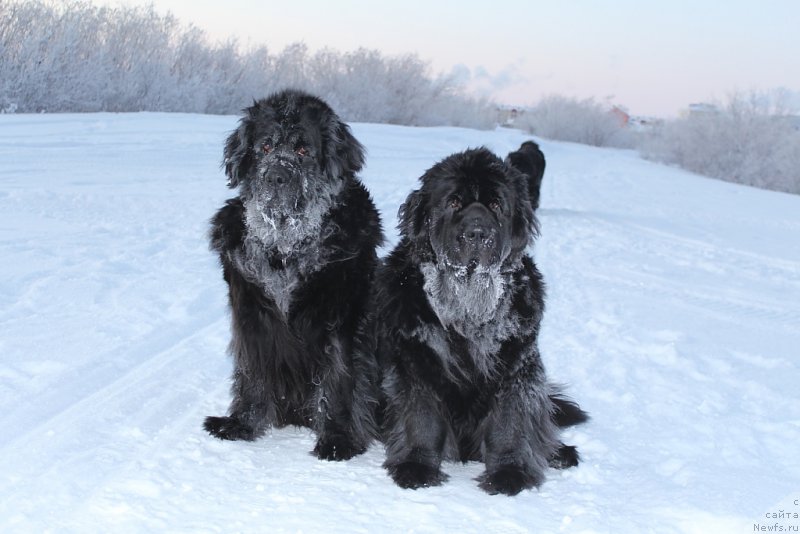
(475, 234)
(279, 175)
(476, 227)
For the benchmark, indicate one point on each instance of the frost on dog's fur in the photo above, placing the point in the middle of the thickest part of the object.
(295, 237)
(461, 299)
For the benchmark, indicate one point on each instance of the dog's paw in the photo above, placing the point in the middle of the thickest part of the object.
(413, 475)
(337, 448)
(509, 480)
(229, 428)
(565, 457)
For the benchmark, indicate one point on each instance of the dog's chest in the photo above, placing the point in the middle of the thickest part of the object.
(279, 274)
(470, 349)
(280, 282)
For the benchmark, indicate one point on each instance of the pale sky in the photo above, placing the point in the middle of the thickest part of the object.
(654, 57)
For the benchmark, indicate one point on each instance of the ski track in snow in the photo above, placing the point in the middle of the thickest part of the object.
(673, 317)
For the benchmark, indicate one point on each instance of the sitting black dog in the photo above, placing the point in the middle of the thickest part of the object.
(457, 314)
(298, 251)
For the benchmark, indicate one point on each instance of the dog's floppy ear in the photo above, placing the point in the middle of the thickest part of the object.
(238, 152)
(345, 155)
(412, 216)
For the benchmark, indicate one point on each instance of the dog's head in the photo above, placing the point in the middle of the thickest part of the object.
(471, 212)
(290, 149)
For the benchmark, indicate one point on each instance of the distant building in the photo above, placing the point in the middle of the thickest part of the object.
(701, 109)
(621, 114)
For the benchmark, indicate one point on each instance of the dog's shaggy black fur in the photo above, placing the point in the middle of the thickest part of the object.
(529, 160)
(297, 247)
(458, 308)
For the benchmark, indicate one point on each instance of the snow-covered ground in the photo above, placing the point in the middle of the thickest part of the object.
(673, 316)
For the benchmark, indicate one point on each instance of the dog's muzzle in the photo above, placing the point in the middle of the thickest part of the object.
(284, 185)
(477, 238)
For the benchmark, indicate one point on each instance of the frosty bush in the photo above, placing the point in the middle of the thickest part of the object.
(749, 140)
(579, 121)
(74, 56)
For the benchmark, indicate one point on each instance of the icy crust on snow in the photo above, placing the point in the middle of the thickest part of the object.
(672, 316)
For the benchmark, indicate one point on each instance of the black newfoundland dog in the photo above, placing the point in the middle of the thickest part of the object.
(458, 307)
(297, 247)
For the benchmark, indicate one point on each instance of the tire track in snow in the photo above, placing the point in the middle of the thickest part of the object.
(111, 425)
(105, 381)
(619, 232)
(160, 440)
(731, 306)
(639, 257)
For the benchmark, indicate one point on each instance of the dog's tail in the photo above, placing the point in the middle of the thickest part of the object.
(566, 412)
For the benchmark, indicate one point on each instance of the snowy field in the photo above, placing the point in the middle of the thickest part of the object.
(673, 316)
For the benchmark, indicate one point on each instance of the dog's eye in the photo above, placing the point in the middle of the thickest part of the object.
(266, 148)
(454, 203)
(495, 205)
(301, 151)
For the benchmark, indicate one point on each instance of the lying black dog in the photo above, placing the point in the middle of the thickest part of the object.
(297, 247)
(458, 308)
(529, 160)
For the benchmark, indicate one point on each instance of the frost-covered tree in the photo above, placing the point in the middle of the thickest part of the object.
(751, 139)
(75, 56)
(579, 121)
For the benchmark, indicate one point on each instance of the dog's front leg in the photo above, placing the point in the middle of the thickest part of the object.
(253, 321)
(416, 431)
(343, 418)
(519, 436)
